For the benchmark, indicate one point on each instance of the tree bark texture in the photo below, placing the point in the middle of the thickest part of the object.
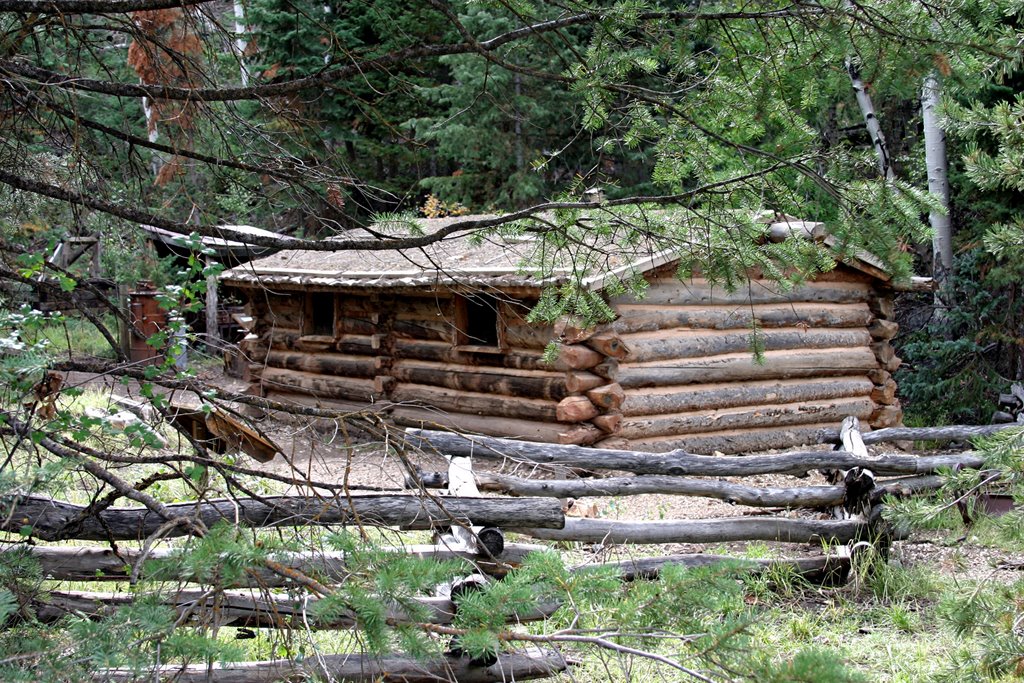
(90, 563)
(705, 530)
(52, 520)
(361, 668)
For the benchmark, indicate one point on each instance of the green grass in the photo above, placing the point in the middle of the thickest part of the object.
(78, 336)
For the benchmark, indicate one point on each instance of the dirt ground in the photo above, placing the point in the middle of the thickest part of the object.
(322, 452)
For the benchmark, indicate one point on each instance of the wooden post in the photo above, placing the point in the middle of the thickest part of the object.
(212, 326)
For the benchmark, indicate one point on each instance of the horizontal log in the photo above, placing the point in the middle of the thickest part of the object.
(883, 352)
(53, 520)
(736, 367)
(732, 441)
(581, 435)
(649, 318)
(569, 357)
(831, 570)
(746, 417)
(948, 433)
(608, 368)
(670, 292)
(893, 365)
(327, 386)
(253, 608)
(476, 403)
(323, 363)
(526, 383)
(793, 497)
(507, 427)
(668, 345)
(680, 463)
(607, 396)
(90, 563)
(882, 306)
(575, 409)
(359, 668)
(679, 399)
(521, 334)
(729, 530)
(879, 376)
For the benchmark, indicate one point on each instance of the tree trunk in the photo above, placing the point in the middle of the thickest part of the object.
(867, 110)
(938, 186)
(776, 529)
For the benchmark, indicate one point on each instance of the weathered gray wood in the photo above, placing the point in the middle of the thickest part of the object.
(802, 496)
(727, 530)
(646, 317)
(826, 569)
(251, 607)
(679, 399)
(667, 345)
(569, 357)
(669, 291)
(948, 433)
(745, 417)
(51, 519)
(360, 668)
(92, 563)
(734, 367)
(677, 463)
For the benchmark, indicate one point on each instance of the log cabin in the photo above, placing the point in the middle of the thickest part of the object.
(439, 336)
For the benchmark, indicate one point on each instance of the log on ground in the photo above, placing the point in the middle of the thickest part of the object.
(947, 433)
(51, 519)
(776, 529)
(361, 668)
(253, 608)
(678, 463)
(89, 563)
(793, 497)
(830, 570)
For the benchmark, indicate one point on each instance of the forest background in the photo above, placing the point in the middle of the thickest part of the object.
(313, 118)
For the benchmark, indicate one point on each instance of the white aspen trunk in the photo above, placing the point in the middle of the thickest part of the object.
(241, 44)
(867, 110)
(938, 185)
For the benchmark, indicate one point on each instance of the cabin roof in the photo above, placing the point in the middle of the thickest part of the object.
(489, 261)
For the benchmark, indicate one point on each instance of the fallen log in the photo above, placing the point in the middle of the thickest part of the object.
(68, 563)
(776, 529)
(678, 463)
(253, 608)
(948, 433)
(829, 570)
(52, 520)
(803, 496)
(358, 668)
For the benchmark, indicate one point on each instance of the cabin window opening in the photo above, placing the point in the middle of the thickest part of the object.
(320, 315)
(478, 321)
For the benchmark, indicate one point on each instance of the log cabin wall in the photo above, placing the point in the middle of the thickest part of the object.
(675, 370)
(690, 379)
